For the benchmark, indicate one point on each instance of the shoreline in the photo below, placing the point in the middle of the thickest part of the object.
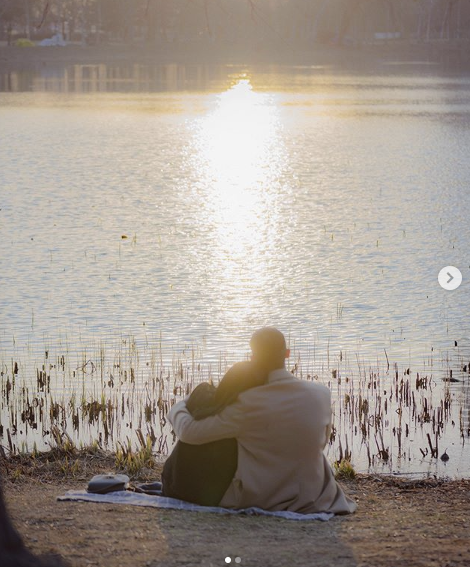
(64, 460)
(435, 53)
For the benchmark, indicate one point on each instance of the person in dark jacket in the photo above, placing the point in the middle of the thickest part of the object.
(202, 473)
(13, 552)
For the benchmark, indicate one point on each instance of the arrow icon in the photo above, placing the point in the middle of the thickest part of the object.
(450, 278)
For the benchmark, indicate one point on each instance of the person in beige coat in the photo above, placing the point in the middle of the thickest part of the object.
(282, 428)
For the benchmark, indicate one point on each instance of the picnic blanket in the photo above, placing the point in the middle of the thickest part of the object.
(136, 499)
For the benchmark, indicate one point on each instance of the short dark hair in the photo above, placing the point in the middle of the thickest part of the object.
(269, 347)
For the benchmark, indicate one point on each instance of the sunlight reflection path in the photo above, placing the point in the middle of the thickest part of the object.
(239, 159)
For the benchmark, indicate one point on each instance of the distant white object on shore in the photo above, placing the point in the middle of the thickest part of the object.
(55, 40)
(387, 35)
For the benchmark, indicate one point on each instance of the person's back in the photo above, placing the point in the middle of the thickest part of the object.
(281, 429)
(281, 465)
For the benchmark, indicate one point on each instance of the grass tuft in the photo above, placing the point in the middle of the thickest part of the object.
(344, 470)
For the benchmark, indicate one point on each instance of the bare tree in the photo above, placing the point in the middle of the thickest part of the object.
(449, 7)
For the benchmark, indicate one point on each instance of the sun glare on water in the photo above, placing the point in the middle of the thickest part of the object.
(237, 148)
(239, 156)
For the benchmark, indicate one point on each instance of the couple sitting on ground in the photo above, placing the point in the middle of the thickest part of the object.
(255, 440)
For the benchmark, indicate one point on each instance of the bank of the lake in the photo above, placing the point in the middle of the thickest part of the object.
(364, 55)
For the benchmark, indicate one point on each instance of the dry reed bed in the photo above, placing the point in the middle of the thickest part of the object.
(117, 398)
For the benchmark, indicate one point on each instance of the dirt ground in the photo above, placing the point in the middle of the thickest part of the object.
(398, 523)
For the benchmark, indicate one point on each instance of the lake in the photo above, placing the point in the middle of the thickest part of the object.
(178, 208)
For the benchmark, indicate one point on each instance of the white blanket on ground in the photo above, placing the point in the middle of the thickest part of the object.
(136, 499)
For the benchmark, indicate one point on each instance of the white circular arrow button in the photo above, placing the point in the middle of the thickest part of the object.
(449, 278)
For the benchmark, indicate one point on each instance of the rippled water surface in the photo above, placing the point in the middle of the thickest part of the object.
(321, 202)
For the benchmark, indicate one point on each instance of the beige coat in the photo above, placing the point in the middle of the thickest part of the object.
(281, 429)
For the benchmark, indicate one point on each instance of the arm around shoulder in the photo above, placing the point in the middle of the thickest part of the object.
(225, 425)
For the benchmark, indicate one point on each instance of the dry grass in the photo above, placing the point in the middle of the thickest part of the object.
(70, 463)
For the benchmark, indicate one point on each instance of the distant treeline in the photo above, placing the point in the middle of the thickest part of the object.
(233, 21)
